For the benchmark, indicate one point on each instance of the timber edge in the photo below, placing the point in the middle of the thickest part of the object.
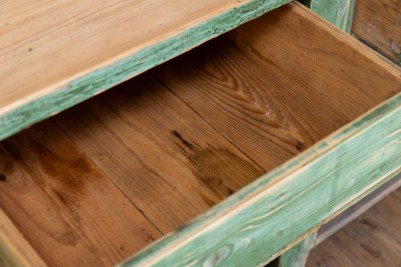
(105, 77)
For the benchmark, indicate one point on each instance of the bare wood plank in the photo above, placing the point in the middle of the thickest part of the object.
(15, 251)
(68, 210)
(274, 206)
(378, 22)
(260, 99)
(161, 154)
(57, 54)
(263, 220)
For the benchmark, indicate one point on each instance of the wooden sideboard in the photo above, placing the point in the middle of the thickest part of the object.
(231, 154)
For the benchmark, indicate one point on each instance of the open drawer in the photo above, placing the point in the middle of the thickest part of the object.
(286, 97)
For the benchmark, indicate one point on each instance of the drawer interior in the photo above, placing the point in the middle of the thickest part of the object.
(97, 183)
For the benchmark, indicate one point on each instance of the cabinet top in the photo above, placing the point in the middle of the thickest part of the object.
(55, 54)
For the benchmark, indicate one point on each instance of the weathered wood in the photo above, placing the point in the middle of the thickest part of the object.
(71, 213)
(160, 153)
(373, 239)
(359, 208)
(56, 54)
(258, 97)
(179, 145)
(266, 215)
(378, 23)
(338, 12)
(15, 251)
(297, 255)
(269, 216)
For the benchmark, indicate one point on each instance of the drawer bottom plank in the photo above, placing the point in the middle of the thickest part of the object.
(15, 251)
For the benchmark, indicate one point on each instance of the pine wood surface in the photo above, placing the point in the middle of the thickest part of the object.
(166, 159)
(66, 208)
(378, 23)
(15, 251)
(107, 177)
(57, 32)
(56, 54)
(257, 96)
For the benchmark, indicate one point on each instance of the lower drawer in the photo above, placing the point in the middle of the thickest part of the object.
(286, 94)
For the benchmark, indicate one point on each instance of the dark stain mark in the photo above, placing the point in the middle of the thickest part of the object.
(68, 168)
(369, 224)
(178, 135)
(3, 177)
(69, 238)
(9, 155)
(207, 200)
(147, 236)
(183, 227)
(61, 196)
(300, 146)
(372, 251)
(11, 149)
(30, 49)
(222, 171)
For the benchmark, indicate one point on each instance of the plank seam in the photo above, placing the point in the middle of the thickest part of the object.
(108, 178)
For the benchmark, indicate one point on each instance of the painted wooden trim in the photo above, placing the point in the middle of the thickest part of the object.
(108, 76)
(268, 217)
(358, 209)
(15, 251)
(297, 255)
(338, 12)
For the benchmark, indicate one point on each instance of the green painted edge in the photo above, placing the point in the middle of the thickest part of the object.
(264, 219)
(297, 255)
(351, 14)
(106, 77)
(338, 12)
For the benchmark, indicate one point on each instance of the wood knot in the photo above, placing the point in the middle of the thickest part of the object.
(217, 257)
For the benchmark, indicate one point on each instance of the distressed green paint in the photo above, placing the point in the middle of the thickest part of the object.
(265, 218)
(297, 255)
(338, 12)
(102, 79)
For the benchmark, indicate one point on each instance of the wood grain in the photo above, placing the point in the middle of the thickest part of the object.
(57, 54)
(15, 251)
(378, 23)
(262, 101)
(167, 148)
(263, 220)
(160, 153)
(68, 210)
